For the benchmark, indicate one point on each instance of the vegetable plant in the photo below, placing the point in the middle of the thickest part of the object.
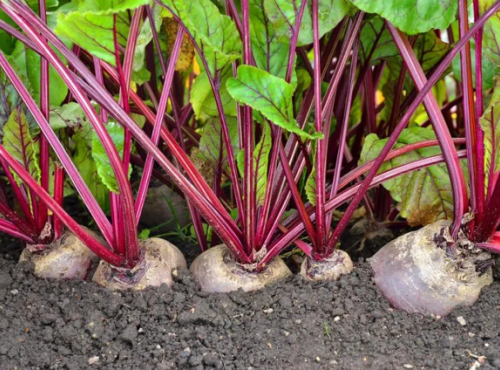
(267, 116)
(120, 251)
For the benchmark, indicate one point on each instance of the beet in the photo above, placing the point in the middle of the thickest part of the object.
(416, 273)
(159, 261)
(329, 269)
(215, 270)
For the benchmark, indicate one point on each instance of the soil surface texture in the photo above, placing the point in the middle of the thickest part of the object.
(293, 325)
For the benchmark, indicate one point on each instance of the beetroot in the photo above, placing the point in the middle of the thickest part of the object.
(417, 273)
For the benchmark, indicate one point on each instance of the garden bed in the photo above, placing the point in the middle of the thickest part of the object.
(292, 325)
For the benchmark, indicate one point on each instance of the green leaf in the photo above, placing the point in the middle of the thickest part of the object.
(283, 14)
(211, 137)
(270, 95)
(86, 166)
(214, 32)
(429, 51)
(270, 53)
(33, 4)
(489, 69)
(28, 63)
(19, 143)
(202, 97)
(490, 123)
(310, 187)
(68, 115)
(9, 98)
(89, 24)
(413, 16)
(425, 195)
(491, 33)
(261, 163)
(374, 31)
(103, 164)
(139, 70)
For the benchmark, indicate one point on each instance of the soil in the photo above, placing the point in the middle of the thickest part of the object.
(291, 325)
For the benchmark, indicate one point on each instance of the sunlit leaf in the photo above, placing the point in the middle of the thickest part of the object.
(215, 33)
(89, 24)
(203, 100)
(283, 15)
(270, 95)
(412, 16)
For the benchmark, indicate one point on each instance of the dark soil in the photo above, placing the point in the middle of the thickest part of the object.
(293, 325)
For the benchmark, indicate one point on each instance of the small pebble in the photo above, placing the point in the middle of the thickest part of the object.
(408, 366)
(14, 291)
(336, 318)
(93, 360)
(471, 335)
(461, 321)
(475, 366)
(268, 310)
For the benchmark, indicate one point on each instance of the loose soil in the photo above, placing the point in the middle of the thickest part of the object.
(292, 325)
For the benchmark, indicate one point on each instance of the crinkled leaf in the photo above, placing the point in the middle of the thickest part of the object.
(102, 162)
(490, 123)
(412, 16)
(270, 95)
(425, 195)
(90, 25)
(214, 32)
(202, 97)
(68, 115)
(19, 143)
(283, 14)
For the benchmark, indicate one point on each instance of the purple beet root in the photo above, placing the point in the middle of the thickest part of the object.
(416, 274)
